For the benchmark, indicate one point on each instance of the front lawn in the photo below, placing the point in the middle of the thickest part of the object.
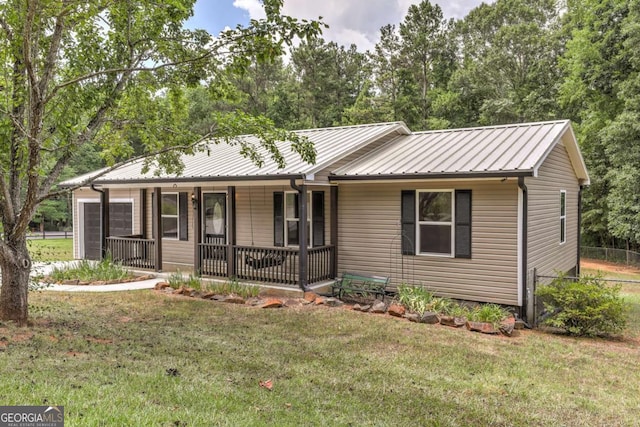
(144, 358)
(51, 249)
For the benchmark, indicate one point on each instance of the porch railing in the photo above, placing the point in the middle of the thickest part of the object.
(320, 264)
(213, 259)
(271, 265)
(132, 251)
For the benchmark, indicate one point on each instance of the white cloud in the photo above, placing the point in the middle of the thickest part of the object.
(356, 21)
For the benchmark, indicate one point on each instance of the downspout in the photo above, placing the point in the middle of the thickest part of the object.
(302, 234)
(525, 208)
(103, 234)
(579, 230)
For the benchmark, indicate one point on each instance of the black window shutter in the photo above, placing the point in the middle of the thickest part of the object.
(408, 213)
(153, 214)
(278, 218)
(183, 215)
(463, 224)
(317, 218)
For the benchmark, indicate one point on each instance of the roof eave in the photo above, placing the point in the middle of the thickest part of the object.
(165, 180)
(427, 176)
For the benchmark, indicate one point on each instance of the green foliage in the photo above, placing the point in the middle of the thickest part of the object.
(192, 281)
(89, 271)
(584, 307)
(415, 298)
(233, 287)
(489, 313)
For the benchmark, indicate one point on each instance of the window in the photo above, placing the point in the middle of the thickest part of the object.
(292, 218)
(435, 222)
(286, 218)
(169, 215)
(563, 216)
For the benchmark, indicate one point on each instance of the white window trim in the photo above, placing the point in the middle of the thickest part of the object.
(563, 224)
(450, 223)
(177, 216)
(286, 219)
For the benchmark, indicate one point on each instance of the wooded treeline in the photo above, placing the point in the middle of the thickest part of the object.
(507, 62)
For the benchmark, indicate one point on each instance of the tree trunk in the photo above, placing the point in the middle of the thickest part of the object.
(15, 283)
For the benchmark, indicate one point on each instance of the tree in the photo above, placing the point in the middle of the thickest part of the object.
(76, 73)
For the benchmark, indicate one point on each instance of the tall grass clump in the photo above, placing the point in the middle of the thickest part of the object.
(192, 281)
(415, 298)
(234, 287)
(488, 313)
(90, 271)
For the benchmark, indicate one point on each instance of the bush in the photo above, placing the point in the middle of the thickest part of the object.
(584, 307)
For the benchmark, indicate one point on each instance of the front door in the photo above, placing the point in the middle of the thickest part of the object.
(215, 218)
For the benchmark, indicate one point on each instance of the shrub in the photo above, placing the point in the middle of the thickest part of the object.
(584, 307)
(415, 298)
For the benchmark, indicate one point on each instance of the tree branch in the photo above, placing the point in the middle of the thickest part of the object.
(105, 171)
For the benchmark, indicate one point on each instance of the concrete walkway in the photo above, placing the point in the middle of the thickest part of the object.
(45, 268)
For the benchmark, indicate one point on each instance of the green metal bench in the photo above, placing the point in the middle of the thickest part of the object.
(360, 285)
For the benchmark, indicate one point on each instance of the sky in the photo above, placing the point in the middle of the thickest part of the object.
(350, 21)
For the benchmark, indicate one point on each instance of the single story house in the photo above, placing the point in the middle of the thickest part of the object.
(468, 213)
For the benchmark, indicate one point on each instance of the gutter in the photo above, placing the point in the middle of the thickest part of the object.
(437, 175)
(203, 179)
(525, 207)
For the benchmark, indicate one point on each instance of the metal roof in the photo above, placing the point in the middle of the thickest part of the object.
(224, 161)
(508, 150)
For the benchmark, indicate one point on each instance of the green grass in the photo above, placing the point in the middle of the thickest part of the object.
(108, 359)
(51, 249)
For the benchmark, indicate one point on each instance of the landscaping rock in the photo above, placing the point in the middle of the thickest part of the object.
(194, 294)
(179, 291)
(412, 317)
(84, 283)
(272, 303)
(356, 307)
(365, 308)
(378, 307)
(292, 302)
(145, 277)
(234, 299)
(483, 327)
(430, 318)
(98, 283)
(254, 301)
(73, 282)
(396, 310)
(218, 297)
(310, 297)
(319, 300)
(507, 326)
(333, 302)
(455, 322)
(161, 285)
(207, 295)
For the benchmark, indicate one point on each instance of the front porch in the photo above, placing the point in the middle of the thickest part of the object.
(223, 233)
(281, 266)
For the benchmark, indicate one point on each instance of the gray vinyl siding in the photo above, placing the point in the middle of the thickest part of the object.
(87, 195)
(369, 226)
(545, 252)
